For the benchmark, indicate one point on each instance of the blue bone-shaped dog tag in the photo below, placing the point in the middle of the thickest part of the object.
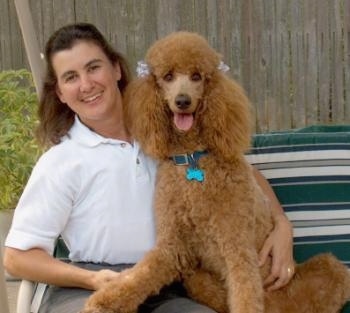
(195, 174)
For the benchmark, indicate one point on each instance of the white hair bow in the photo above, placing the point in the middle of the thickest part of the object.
(143, 70)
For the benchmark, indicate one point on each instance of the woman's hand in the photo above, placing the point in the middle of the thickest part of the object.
(279, 246)
(100, 278)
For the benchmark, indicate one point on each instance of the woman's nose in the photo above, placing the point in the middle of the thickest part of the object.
(86, 83)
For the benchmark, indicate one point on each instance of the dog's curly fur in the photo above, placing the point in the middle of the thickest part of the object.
(208, 233)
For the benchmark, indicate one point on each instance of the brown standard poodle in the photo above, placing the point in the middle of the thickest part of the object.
(212, 217)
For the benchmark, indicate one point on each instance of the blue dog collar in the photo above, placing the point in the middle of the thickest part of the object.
(193, 171)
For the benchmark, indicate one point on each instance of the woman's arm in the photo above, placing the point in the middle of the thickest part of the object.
(38, 265)
(279, 244)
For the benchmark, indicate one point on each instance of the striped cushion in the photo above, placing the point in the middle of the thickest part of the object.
(309, 170)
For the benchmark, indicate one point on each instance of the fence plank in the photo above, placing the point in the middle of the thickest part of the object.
(212, 22)
(310, 54)
(47, 18)
(281, 66)
(36, 11)
(17, 54)
(298, 64)
(266, 59)
(323, 48)
(200, 16)
(259, 76)
(63, 12)
(117, 28)
(346, 38)
(186, 17)
(233, 54)
(168, 17)
(5, 39)
(337, 64)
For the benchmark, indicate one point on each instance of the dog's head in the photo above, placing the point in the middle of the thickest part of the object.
(182, 64)
(185, 102)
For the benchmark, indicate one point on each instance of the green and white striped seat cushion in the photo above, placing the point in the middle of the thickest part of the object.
(309, 170)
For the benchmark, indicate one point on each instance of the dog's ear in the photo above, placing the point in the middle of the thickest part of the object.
(146, 117)
(226, 121)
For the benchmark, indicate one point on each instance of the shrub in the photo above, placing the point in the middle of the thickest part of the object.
(18, 148)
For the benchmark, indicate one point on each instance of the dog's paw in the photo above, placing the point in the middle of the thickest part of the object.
(96, 304)
(118, 296)
(114, 299)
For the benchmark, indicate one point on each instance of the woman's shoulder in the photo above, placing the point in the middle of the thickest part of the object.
(65, 148)
(64, 153)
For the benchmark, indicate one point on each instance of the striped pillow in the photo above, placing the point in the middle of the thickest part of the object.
(309, 170)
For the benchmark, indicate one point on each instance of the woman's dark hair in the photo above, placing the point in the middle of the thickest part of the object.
(55, 117)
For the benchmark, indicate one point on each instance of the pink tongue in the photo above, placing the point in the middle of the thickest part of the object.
(183, 121)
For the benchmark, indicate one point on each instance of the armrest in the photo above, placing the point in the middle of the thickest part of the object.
(25, 296)
(29, 296)
(30, 293)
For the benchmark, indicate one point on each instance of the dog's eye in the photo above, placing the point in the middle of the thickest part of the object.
(168, 77)
(196, 77)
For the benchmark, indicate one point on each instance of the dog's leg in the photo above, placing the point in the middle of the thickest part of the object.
(133, 286)
(244, 283)
(235, 247)
(320, 285)
(205, 288)
(239, 268)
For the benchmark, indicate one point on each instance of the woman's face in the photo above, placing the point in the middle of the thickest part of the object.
(87, 82)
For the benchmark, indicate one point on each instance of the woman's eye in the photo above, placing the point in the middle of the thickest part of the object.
(196, 77)
(168, 77)
(93, 68)
(70, 78)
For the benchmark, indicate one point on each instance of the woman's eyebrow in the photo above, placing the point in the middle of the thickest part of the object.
(65, 74)
(92, 62)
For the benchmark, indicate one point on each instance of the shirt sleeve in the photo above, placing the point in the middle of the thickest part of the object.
(43, 209)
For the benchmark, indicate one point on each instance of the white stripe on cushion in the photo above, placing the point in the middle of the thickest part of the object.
(306, 171)
(296, 156)
(318, 215)
(321, 231)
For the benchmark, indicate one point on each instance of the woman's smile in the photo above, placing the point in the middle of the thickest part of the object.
(89, 99)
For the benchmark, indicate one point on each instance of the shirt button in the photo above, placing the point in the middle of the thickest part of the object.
(123, 145)
(137, 161)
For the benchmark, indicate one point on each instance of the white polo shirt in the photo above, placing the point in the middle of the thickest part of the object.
(94, 191)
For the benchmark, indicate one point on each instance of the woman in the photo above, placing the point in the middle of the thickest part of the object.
(94, 186)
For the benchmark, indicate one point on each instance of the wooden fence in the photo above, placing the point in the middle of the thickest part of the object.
(291, 56)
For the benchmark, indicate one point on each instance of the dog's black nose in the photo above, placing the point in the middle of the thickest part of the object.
(182, 101)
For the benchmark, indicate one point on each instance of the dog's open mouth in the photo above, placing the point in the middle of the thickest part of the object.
(183, 121)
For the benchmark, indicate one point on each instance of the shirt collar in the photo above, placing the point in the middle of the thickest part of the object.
(81, 134)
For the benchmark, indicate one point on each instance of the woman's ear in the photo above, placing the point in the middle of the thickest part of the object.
(117, 71)
(226, 124)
